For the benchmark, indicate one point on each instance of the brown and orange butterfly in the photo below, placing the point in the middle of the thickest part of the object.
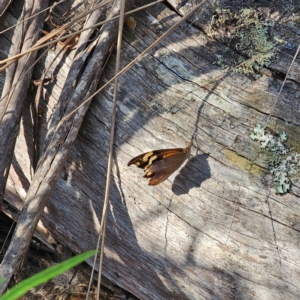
(160, 164)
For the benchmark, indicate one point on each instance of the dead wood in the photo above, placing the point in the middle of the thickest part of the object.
(171, 241)
(4, 6)
(61, 136)
(16, 84)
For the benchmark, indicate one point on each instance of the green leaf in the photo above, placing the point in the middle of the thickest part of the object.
(27, 284)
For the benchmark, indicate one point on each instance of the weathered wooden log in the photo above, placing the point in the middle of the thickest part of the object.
(175, 240)
(89, 61)
(17, 81)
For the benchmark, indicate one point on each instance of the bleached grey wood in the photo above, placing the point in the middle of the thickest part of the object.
(17, 81)
(60, 138)
(168, 242)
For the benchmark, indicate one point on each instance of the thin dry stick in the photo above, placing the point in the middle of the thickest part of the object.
(27, 70)
(283, 83)
(104, 215)
(24, 72)
(224, 74)
(60, 38)
(139, 57)
(234, 209)
(111, 147)
(35, 108)
(48, 8)
(125, 69)
(48, 173)
(66, 36)
(40, 44)
(268, 119)
(4, 6)
(50, 43)
(272, 222)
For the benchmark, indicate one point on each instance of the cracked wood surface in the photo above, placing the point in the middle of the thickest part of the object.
(169, 241)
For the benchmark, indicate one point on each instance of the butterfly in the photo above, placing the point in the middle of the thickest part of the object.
(160, 164)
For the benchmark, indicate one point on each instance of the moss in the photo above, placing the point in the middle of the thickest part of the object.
(249, 34)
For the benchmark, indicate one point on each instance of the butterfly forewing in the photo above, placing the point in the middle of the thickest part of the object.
(160, 164)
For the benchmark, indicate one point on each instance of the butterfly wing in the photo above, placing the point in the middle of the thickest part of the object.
(160, 164)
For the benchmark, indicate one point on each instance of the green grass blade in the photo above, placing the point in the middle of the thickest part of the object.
(27, 284)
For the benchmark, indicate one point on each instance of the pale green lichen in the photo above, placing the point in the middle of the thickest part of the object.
(251, 38)
(282, 161)
(218, 20)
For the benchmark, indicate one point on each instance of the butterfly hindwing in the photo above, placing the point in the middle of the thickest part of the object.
(160, 164)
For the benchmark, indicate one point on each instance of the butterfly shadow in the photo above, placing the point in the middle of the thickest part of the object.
(195, 171)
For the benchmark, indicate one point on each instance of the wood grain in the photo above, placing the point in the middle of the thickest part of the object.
(169, 241)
